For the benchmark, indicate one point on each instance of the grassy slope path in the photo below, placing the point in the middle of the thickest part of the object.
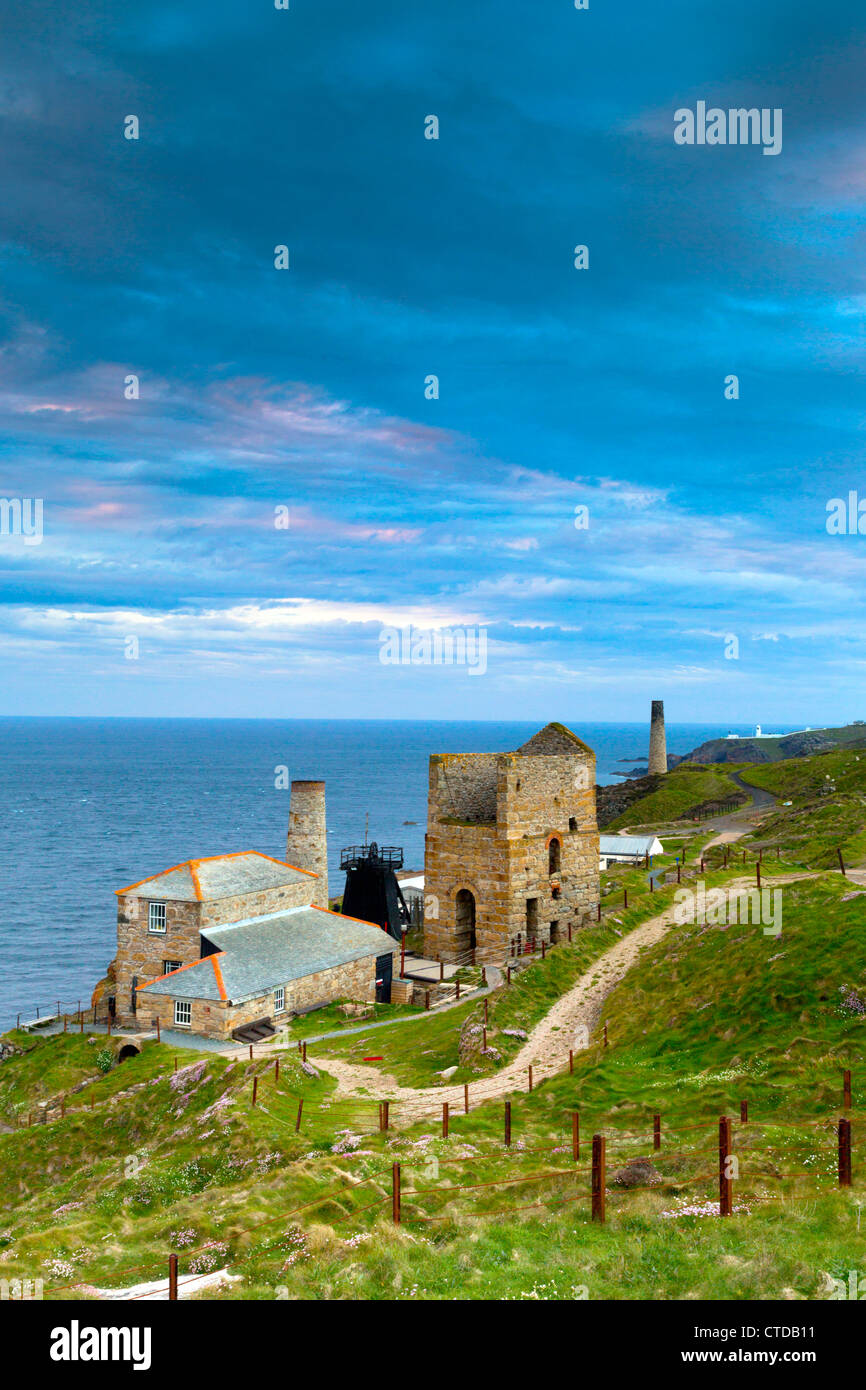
(547, 1047)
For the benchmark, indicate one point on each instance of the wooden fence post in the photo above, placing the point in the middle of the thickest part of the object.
(575, 1134)
(508, 1124)
(598, 1177)
(441, 970)
(255, 1088)
(702, 865)
(158, 1038)
(304, 1053)
(598, 918)
(530, 1078)
(251, 1052)
(444, 1119)
(678, 871)
(426, 999)
(172, 1278)
(569, 933)
(300, 1113)
(276, 1071)
(543, 949)
(758, 875)
(466, 1098)
(571, 1061)
(625, 898)
(657, 1131)
(841, 863)
(725, 1187)
(175, 1064)
(605, 1034)
(844, 1153)
(395, 1193)
(508, 973)
(846, 1089)
(484, 978)
(744, 1112)
(484, 1039)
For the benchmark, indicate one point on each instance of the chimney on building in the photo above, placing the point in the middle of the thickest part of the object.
(658, 757)
(307, 840)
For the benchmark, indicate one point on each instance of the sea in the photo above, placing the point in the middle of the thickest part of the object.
(90, 805)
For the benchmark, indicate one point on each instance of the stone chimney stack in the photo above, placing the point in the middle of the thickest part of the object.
(658, 757)
(307, 841)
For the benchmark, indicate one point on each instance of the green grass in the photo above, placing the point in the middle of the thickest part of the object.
(820, 820)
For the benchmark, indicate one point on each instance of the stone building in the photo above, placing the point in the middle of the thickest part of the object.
(512, 846)
(213, 945)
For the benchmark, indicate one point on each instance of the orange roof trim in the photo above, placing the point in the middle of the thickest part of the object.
(331, 913)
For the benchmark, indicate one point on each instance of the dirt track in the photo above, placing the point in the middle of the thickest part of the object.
(547, 1047)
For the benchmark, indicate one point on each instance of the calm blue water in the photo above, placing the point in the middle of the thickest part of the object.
(88, 805)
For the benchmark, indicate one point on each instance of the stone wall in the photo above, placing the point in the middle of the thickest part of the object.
(463, 785)
(140, 953)
(222, 911)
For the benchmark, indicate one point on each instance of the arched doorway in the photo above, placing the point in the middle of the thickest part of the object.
(554, 857)
(465, 920)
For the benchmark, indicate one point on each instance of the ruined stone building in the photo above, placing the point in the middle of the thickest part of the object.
(512, 846)
(234, 941)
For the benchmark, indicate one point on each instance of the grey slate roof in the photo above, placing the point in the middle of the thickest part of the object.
(261, 952)
(222, 876)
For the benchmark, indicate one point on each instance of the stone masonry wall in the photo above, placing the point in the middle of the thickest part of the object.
(217, 1019)
(538, 795)
(224, 910)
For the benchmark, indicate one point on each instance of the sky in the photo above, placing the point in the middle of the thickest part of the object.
(164, 580)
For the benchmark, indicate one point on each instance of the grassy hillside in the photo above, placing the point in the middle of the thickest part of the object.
(711, 1014)
(828, 792)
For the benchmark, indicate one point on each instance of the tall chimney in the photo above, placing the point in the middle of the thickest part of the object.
(658, 758)
(307, 840)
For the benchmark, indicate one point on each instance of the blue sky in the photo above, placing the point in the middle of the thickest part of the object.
(304, 388)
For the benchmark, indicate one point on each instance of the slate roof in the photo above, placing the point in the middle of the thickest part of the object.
(221, 876)
(552, 740)
(626, 844)
(260, 952)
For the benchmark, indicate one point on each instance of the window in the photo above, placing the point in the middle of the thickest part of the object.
(182, 1013)
(553, 857)
(156, 917)
(572, 822)
(169, 965)
(279, 999)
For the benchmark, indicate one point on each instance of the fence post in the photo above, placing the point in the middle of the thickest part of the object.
(386, 1114)
(841, 863)
(508, 971)
(485, 1010)
(625, 898)
(571, 1061)
(678, 871)
(395, 1193)
(543, 949)
(255, 1088)
(466, 1098)
(276, 1070)
(300, 1112)
(605, 1034)
(158, 1038)
(846, 1089)
(657, 1131)
(172, 1278)
(441, 970)
(598, 1177)
(569, 933)
(251, 1052)
(598, 919)
(575, 1134)
(651, 883)
(304, 1053)
(530, 1078)
(444, 1119)
(725, 1199)
(744, 1112)
(508, 1124)
(702, 865)
(484, 977)
(175, 1064)
(758, 875)
(426, 999)
(484, 1040)
(844, 1153)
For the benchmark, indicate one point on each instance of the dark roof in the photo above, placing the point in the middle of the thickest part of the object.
(221, 876)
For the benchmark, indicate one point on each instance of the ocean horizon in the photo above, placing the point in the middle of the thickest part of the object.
(90, 804)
